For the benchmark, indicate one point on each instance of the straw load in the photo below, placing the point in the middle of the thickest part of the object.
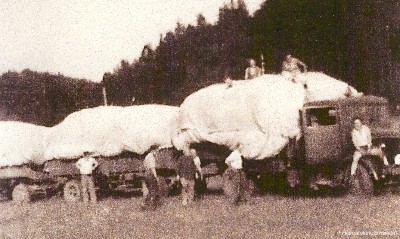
(259, 115)
(111, 130)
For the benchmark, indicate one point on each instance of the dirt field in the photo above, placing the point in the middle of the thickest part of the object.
(266, 216)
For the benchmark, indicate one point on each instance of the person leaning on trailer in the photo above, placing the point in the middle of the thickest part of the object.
(86, 165)
(237, 177)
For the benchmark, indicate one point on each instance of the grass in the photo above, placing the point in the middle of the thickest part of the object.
(267, 216)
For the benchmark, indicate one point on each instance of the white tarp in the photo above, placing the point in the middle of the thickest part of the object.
(260, 115)
(21, 143)
(110, 130)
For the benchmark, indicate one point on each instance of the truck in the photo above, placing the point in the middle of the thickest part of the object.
(323, 152)
(323, 155)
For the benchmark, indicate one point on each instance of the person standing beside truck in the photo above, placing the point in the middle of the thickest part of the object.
(237, 176)
(86, 165)
(150, 184)
(188, 164)
(362, 141)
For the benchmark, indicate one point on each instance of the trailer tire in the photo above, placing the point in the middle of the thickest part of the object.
(72, 191)
(21, 194)
(361, 184)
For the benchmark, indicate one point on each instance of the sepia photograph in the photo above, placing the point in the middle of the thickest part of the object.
(199, 119)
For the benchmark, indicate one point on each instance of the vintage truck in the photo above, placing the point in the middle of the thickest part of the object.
(322, 158)
(323, 155)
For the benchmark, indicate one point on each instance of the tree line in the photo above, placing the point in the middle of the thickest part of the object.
(44, 98)
(357, 41)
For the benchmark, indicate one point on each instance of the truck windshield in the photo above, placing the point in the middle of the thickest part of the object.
(321, 116)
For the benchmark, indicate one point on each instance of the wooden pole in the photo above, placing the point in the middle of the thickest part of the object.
(104, 95)
(262, 64)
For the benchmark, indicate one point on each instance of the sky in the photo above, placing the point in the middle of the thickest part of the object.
(85, 38)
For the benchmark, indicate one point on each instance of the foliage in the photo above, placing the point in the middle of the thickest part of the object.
(356, 41)
(43, 98)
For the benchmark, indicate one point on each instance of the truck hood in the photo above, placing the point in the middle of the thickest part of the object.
(389, 129)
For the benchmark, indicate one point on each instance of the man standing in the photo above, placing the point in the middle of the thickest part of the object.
(362, 141)
(188, 163)
(290, 68)
(86, 165)
(237, 176)
(150, 185)
(252, 71)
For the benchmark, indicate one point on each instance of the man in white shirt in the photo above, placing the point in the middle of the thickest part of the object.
(237, 176)
(150, 185)
(86, 165)
(361, 137)
(253, 71)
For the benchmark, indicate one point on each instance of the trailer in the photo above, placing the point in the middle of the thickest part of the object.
(25, 183)
(122, 173)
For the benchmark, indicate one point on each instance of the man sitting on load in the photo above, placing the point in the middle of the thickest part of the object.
(290, 68)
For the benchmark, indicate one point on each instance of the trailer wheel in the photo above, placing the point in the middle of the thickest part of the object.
(72, 191)
(21, 194)
(362, 183)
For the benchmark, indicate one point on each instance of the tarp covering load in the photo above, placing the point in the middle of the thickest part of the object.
(111, 130)
(21, 143)
(259, 115)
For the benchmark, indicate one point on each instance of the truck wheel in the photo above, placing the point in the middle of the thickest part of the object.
(72, 191)
(362, 183)
(21, 194)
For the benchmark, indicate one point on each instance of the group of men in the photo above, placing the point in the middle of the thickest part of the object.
(290, 68)
(188, 170)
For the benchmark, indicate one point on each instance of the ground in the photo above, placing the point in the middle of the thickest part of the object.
(264, 216)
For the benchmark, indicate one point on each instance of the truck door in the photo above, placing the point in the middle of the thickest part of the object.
(321, 134)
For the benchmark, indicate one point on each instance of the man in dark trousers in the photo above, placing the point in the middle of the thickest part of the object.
(150, 184)
(86, 165)
(188, 163)
(237, 177)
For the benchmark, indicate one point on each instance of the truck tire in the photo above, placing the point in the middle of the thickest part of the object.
(21, 194)
(361, 184)
(72, 191)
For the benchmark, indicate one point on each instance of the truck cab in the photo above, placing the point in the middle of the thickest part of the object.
(327, 146)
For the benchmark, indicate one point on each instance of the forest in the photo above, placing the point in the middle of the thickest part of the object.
(357, 41)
